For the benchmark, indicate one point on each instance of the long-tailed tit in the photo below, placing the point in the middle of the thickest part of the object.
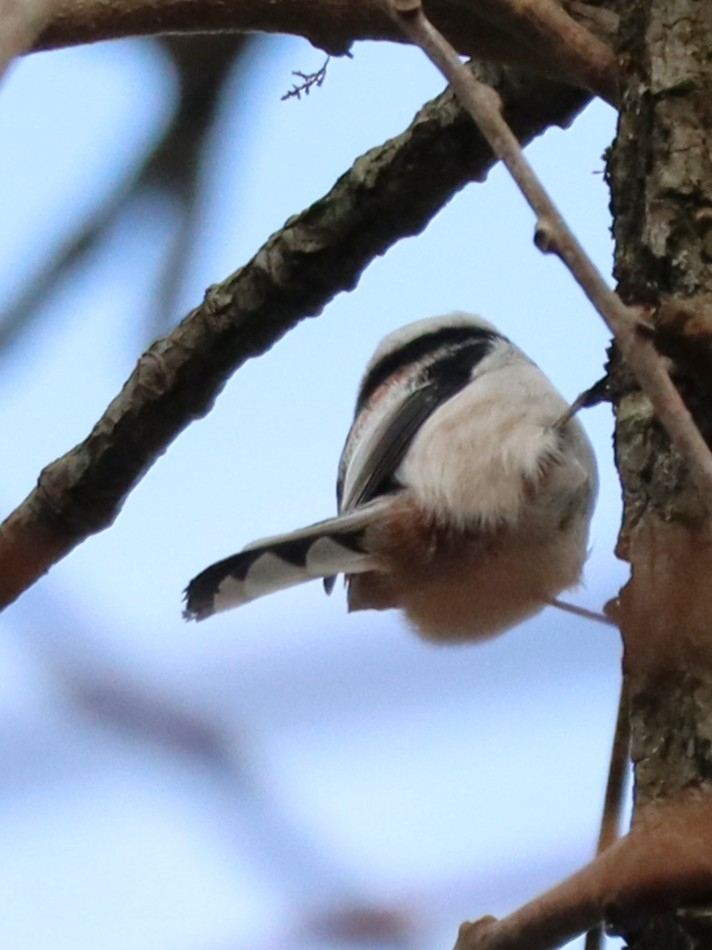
(465, 492)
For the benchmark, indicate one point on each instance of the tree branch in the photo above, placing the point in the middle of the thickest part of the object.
(553, 235)
(665, 861)
(510, 31)
(389, 193)
(20, 22)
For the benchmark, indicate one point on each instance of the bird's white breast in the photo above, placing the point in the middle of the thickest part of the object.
(478, 457)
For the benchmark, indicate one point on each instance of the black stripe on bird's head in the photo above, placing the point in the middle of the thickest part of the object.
(443, 348)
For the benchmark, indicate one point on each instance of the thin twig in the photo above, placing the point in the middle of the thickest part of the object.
(307, 81)
(583, 612)
(615, 795)
(616, 784)
(618, 765)
(553, 235)
(389, 193)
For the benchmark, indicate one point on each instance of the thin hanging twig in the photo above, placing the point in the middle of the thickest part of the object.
(583, 612)
(553, 235)
(614, 797)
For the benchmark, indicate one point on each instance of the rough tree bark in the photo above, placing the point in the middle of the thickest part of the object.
(661, 181)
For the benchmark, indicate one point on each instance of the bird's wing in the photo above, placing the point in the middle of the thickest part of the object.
(377, 455)
(383, 432)
(375, 460)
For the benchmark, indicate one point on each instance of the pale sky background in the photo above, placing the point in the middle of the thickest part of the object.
(351, 765)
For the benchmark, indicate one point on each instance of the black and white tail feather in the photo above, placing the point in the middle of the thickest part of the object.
(464, 490)
(321, 550)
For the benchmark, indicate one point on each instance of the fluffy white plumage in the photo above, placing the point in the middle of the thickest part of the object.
(465, 494)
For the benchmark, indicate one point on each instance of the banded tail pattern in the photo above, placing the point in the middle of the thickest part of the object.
(334, 546)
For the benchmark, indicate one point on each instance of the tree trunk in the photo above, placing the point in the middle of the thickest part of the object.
(661, 182)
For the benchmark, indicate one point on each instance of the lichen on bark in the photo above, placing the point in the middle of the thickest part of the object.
(661, 179)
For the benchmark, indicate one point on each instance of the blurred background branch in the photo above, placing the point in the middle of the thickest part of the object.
(171, 168)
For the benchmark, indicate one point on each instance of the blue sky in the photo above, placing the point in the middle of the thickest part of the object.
(360, 765)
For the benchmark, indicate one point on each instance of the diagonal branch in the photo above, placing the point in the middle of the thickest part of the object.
(554, 235)
(525, 33)
(389, 193)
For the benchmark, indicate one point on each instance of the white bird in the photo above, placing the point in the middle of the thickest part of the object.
(465, 492)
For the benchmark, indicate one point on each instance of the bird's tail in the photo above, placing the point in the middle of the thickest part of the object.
(331, 547)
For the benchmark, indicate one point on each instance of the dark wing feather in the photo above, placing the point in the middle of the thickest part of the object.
(441, 380)
(377, 476)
